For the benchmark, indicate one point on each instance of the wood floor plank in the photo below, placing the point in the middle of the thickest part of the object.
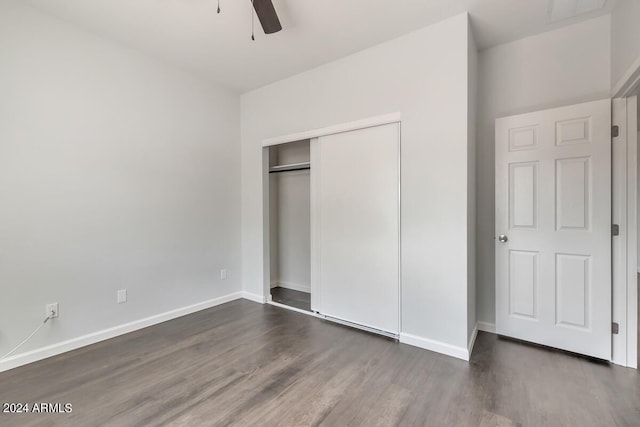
(248, 364)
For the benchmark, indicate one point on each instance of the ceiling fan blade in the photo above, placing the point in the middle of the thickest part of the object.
(267, 16)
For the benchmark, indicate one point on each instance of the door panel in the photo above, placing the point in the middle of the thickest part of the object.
(523, 283)
(358, 233)
(573, 195)
(573, 278)
(523, 195)
(553, 204)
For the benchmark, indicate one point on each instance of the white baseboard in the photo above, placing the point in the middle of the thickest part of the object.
(254, 297)
(105, 334)
(472, 340)
(437, 346)
(487, 327)
(292, 286)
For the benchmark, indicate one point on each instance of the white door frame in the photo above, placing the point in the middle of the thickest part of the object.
(624, 249)
(625, 204)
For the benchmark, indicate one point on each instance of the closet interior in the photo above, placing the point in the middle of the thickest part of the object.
(290, 224)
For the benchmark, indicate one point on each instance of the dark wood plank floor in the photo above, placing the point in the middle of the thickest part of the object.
(297, 299)
(244, 363)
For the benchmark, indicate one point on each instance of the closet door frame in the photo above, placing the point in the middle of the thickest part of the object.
(313, 136)
(315, 225)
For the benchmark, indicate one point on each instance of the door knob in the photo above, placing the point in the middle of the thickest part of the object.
(503, 239)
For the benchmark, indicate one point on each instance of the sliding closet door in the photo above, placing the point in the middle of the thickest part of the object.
(359, 226)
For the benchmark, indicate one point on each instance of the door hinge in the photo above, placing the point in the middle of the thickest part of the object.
(615, 328)
(615, 131)
(615, 230)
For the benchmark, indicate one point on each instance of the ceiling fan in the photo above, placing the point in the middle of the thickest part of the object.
(266, 14)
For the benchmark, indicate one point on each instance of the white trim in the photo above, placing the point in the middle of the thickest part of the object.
(399, 226)
(296, 309)
(292, 286)
(472, 340)
(437, 346)
(361, 327)
(331, 130)
(632, 230)
(333, 319)
(270, 301)
(619, 243)
(105, 334)
(628, 82)
(314, 193)
(627, 340)
(254, 297)
(266, 231)
(487, 327)
(624, 247)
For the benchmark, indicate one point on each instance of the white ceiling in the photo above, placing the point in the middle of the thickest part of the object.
(191, 35)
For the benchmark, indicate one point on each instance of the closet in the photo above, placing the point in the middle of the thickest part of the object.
(333, 244)
(290, 224)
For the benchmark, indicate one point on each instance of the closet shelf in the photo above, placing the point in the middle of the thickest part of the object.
(290, 167)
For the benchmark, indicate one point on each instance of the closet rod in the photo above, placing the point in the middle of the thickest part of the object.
(291, 170)
(292, 167)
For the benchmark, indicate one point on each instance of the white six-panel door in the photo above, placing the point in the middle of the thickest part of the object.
(553, 228)
(358, 180)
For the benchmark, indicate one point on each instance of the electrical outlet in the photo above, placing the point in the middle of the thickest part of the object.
(223, 274)
(52, 310)
(122, 296)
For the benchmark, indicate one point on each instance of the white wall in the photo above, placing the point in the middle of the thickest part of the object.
(293, 232)
(116, 171)
(424, 76)
(625, 38)
(557, 68)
